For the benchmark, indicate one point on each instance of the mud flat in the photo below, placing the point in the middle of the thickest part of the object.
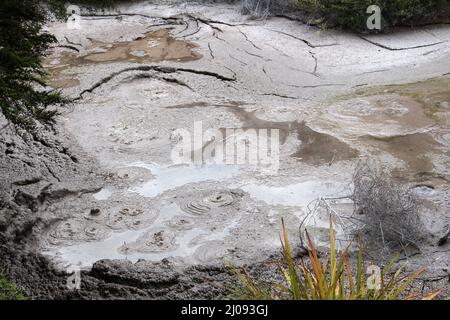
(336, 98)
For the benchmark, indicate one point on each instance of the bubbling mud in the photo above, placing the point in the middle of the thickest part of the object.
(74, 230)
(133, 218)
(378, 115)
(152, 241)
(209, 203)
(180, 223)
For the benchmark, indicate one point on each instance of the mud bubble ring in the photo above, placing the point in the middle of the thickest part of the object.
(204, 206)
(78, 230)
(154, 241)
(131, 218)
(180, 223)
(210, 251)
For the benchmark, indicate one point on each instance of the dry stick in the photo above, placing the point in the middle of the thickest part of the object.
(382, 234)
(308, 216)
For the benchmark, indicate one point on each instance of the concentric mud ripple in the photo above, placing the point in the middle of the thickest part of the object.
(195, 207)
(220, 199)
(388, 114)
(134, 174)
(211, 251)
(153, 241)
(180, 223)
(78, 230)
(213, 201)
(131, 218)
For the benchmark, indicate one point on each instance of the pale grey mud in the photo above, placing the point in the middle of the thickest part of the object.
(143, 71)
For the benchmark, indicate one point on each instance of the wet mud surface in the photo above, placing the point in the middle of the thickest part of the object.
(334, 97)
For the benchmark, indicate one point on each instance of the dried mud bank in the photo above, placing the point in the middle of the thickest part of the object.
(106, 198)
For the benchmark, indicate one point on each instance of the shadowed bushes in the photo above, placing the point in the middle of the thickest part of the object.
(351, 14)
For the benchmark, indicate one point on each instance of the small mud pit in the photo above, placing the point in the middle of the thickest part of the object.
(378, 115)
(72, 231)
(433, 96)
(209, 203)
(181, 223)
(409, 122)
(133, 174)
(315, 149)
(214, 251)
(152, 241)
(131, 218)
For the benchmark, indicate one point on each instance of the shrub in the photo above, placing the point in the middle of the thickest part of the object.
(351, 14)
(8, 290)
(331, 278)
(390, 211)
(23, 97)
(259, 9)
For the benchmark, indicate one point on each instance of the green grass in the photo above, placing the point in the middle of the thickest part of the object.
(8, 290)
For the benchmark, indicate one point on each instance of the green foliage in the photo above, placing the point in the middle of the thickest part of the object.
(330, 278)
(23, 98)
(8, 290)
(351, 14)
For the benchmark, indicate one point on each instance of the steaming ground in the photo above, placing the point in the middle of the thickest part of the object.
(335, 97)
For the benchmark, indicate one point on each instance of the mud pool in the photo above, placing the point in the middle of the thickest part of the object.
(335, 97)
